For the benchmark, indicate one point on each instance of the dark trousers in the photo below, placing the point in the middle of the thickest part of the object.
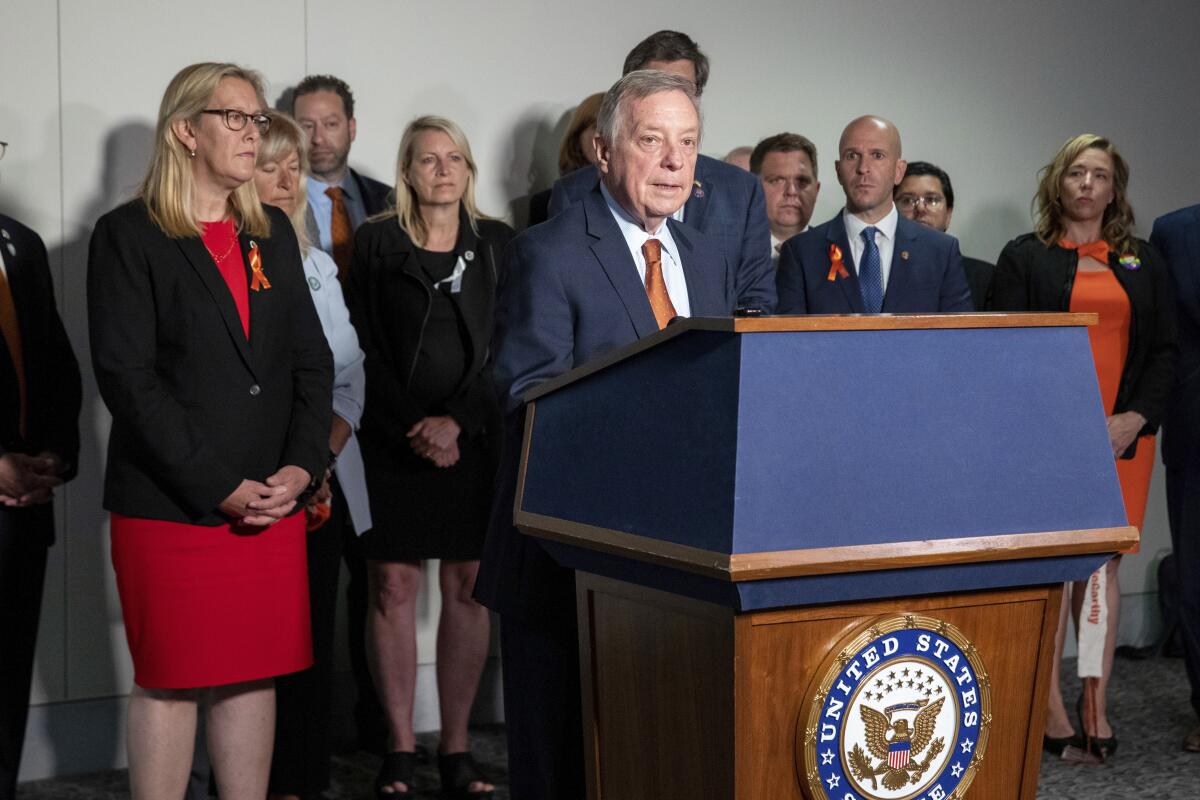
(1183, 509)
(542, 715)
(369, 720)
(303, 700)
(22, 575)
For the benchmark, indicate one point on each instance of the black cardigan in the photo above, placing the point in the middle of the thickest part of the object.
(1033, 277)
(389, 298)
(196, 408)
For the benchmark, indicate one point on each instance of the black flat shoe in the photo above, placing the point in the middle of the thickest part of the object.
(458, 771)
(396, 768)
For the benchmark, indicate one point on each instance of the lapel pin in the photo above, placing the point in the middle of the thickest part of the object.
(12, 250)
(904, 255)
(699, 190)
(4, 232)
(469, 255)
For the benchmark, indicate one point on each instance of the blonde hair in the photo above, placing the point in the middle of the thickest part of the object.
(408, 207)
(284, 137)
(169, 185)
(1117, 223)
(570, 153)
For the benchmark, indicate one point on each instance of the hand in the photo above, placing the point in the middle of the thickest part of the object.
(436, 438)
(26, 480)
(1123, 429)
(262, 504)
(324, 493)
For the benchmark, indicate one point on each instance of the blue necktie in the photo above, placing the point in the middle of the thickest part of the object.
(870, 273)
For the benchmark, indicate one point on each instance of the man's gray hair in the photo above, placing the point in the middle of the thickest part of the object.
(638, 85)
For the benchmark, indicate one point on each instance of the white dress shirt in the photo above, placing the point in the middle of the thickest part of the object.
(635, 236)
(885, 240)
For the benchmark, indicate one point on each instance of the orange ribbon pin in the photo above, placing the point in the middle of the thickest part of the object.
(837, 268)
(258, 279)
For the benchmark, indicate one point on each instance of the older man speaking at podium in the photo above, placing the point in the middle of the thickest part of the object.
(602, 274)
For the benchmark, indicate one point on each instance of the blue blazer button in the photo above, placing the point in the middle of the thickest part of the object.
(255, 390)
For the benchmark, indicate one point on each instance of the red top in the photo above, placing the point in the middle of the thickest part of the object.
(221, 240)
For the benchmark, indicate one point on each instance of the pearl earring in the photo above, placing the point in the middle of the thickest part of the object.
(191, 153)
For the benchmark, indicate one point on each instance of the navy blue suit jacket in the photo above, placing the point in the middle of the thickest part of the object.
(1177, 237)
(727, 205)
(571, 293)
(927, 273)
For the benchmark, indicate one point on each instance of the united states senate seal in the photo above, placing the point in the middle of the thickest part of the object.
(900, 711)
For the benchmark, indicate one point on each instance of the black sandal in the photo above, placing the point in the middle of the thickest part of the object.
(397, 767)
(458, 772)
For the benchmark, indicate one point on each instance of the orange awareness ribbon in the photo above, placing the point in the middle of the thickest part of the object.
(258, 279)
(837, 267)
(1097, 250)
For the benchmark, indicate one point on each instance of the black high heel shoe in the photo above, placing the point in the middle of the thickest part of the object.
(397, 767)
(458, 771)
(1055, 745)
(1103, 747)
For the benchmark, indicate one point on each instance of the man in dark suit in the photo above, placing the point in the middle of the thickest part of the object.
(724, 201)
(1177, 237)
(339, 200)
(611, 269)
(39, 442)
(927, 196)
(868, 259)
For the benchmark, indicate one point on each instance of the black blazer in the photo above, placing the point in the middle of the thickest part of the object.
(1033, 277)
(979, 279)
(196, 408)
(52, 386)
(389, 298)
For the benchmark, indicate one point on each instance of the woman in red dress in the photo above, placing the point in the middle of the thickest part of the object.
(210, 357)
(1083, 257)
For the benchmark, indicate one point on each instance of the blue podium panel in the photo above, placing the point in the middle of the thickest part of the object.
(879, 436)
(777, 441)
(648, 446)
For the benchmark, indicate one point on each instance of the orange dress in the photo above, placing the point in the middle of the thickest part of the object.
(1099, 292)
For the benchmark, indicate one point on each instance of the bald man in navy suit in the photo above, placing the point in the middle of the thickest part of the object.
(868, 259)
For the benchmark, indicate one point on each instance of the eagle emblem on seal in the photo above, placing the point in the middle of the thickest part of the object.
(896, 744)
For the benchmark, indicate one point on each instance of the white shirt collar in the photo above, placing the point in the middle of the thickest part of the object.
(635, 235)
(885, 226)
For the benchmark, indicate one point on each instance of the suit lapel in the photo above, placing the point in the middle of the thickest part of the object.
(836, 234)
(193, 249)
(613, 254)
(901, 275)
(1193, 250)
(705, 280)
(695, 210)
(259, 302)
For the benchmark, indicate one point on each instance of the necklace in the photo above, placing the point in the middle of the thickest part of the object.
(223, 256)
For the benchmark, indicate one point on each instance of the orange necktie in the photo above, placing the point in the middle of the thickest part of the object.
(11, 329)
(341, 231)
(1097, 249)
(656, 286)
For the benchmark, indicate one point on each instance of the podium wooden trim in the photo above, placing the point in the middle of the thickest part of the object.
(827, 560)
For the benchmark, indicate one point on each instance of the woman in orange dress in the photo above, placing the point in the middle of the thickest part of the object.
(1083, 257)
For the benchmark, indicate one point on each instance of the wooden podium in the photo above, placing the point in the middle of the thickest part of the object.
(822, 557)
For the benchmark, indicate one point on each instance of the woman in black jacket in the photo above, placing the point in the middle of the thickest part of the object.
(1083, 257)
(421, 292)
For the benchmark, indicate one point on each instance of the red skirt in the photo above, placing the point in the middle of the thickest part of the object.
(207, 606)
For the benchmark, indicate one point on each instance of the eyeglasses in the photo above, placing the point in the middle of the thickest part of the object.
(3, 148)
(236, 120)
(910, 201)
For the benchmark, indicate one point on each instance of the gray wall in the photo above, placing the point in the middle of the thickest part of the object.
(988, 91)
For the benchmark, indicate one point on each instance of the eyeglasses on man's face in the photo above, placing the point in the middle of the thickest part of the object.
(236, 120)
(910, 201)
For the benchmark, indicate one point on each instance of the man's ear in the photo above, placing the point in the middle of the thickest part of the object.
(603, 151)
(353, 126)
